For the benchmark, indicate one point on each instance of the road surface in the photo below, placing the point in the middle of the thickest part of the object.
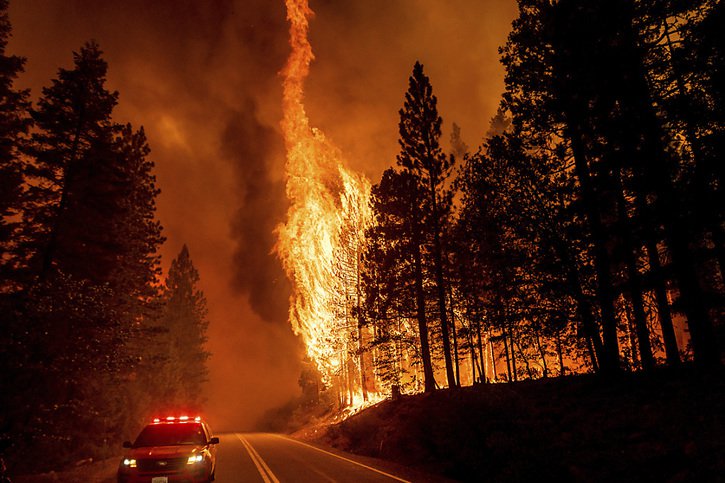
(273, 458)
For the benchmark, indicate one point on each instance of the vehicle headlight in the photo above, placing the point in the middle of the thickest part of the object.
(195, 458)
(129, 463)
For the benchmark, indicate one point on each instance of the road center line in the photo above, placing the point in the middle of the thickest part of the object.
(262, 467)
(343, 458)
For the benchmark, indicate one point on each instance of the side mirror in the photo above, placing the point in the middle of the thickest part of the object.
(214, 440)
(127, 444)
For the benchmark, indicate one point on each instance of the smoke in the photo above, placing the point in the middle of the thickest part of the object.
(364, 54)
(254, 148)
(202, 77)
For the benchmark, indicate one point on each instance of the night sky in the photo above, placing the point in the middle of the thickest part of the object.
(202, 77)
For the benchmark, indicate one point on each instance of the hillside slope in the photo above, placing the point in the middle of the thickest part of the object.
(665, 426)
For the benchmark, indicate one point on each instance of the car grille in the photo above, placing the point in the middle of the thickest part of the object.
(161, 464)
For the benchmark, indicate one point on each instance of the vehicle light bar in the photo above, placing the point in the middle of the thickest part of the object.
(180, 419)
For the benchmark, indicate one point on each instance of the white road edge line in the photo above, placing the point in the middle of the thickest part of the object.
(262, 467)
(346, 459)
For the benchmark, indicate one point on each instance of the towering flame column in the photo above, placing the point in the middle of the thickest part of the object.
(328, 206)
(295, 124)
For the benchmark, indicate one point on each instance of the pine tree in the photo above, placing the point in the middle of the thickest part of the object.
(91, 262)
(14, 125)
(393, 276)
(421, 156)
(185, 321)
(583, 81)
(73, 150)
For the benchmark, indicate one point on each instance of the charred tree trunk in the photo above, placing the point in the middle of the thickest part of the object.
(429, 378)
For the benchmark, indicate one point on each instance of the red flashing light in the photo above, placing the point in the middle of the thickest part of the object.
(174, 419)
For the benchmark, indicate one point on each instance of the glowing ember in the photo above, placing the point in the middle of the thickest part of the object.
(320, 243)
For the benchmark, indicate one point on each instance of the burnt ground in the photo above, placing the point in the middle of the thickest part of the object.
(665, 426)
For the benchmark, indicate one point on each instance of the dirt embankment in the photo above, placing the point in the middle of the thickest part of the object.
(103, 471)
(665, 426)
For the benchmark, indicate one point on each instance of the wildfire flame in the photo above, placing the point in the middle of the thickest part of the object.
(319, 244)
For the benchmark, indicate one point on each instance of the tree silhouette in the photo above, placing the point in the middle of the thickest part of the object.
(87, 277)
(394, 278)
(421, 156)
(14, 125)
(185, 321)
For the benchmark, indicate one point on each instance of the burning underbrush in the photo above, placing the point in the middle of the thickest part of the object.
(666, 426)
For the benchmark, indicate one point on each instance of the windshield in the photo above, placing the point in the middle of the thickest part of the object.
(170, 435)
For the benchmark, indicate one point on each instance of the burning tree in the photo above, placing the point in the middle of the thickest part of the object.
(321, 241)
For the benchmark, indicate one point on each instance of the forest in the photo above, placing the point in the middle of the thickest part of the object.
(583, 235)
(92, 332)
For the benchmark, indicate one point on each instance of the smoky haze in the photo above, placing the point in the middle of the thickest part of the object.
(201, 76)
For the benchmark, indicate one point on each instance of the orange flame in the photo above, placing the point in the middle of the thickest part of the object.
(328, 213)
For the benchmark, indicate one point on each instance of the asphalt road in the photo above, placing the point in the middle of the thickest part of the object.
(272, 458)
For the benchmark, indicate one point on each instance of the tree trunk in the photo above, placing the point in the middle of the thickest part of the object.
(592, 354)
(523, 357)
(678, 230)
(482, 352)
(68, 174)
(360, 341)
(664, 314)
(455, 338)
(583, 307)
(493, 360)
(559, 352)
(634, 353)
(701, 187)
(609, 358)
(441, 288)
(514, 369)
(635, 278)
(542, 353)
(508, 357)
(429, 379)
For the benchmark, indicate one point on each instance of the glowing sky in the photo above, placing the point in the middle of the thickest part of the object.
(201, 76)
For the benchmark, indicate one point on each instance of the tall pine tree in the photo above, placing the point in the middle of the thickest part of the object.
(14, 124)
(393, 276)
(185, 323)
(90, 241)
(421, 157)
